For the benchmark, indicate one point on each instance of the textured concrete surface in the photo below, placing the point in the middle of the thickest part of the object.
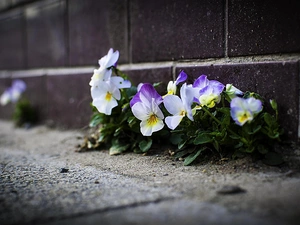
(95, 188)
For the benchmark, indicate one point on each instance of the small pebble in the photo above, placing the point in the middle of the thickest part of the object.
(230, 189)
(64, 170)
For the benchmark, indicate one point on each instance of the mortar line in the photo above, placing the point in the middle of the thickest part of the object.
(155, 65)
(226, 29)
(25, 36)
(129, 32)
(67, 33)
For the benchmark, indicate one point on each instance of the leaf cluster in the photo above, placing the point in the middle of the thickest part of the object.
(24, 113)
(214, 130)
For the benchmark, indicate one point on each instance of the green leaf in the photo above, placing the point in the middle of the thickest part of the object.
(216, 145)
(131, 91)
(118, 147)
(240, 144)
(182, 144)
(131, 121)
(96, 120)
(235, 137)
(262, 149)
(273, 134)
(273, 104)
(181, 153)
(202, 138)
(254, 130)
(145, 145)
(157, 84)
(191, 158)
(175, 139)
(118, 131)
(269, 119)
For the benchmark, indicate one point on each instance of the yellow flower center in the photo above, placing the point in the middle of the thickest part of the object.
(108, 96)
(208, 100)
(152, 120)
(182, 113)
(244, 117)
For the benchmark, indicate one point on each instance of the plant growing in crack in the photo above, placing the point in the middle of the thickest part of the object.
(199, 117)
(24, 114)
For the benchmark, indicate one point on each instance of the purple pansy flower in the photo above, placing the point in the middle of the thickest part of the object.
(145, 107)
(243, 110)
(145, 94)
(208, 92)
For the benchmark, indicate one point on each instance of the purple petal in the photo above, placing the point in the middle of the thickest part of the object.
(181, 77)
(196, 100)
(135, 99)
(146, 93)
(217, 86)
(19, 85)
(206, 90)
(201, 82)
(149, 92)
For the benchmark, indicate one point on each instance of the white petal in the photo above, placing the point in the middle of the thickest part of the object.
(5, 98)
(171, 88)
(254, 105)
(120, 82)
(97, 91)
(156, 110)
(104, 106)
(115, 91)
(147, 130)
(113, 59)
(173, 104)
(173, 121)
(140, 111)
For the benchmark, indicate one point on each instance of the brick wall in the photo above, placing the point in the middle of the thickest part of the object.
(54, 45)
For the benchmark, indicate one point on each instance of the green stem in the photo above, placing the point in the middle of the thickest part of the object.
(228, 129)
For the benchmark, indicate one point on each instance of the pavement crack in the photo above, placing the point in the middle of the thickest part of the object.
(99, 211)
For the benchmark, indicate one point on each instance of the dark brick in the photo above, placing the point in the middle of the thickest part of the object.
(163, 75)
(7, 110)
(12, 40)
(94, 28)
(261, 27)
(168, 30)
(46, 34)
(272, 80)
(69, 100)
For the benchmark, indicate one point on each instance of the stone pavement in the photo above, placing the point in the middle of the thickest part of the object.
(44, 181)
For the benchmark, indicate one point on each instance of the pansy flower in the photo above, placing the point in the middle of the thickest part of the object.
(13, 93)
(179, 108)
(244, 110)
(145, 93)
(145, 107)
(172, 85)
(104, 72)
(105, 97)
(208, 92)
(232, 91)
(104, 87)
